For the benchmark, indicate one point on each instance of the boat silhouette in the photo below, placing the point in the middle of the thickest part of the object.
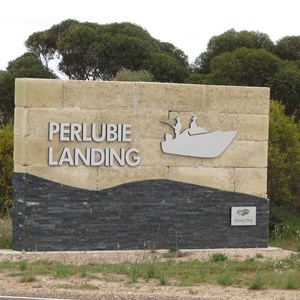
(196, 141)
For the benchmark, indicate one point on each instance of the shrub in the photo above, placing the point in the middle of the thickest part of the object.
(283, 164)
(129, 75)
(6, 167)
(216, 257)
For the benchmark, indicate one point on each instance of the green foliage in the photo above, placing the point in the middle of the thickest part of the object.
(216, 257)
(226, 278)
(257, 283)
(28, 278)
(166, 68)
(283, 164)
(230, 41)
(5, 233)
(288, 48)
(7, 85)
(28, 65)
(23, 265)
(128, 75)
(6, 167)
(249, 67)
(94, 51)
(283, 273)
(285, 86)
(134, 272)
(286, 233)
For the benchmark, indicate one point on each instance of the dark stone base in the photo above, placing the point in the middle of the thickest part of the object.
(148, 214)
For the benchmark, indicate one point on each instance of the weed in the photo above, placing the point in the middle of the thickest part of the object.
(87, 286)
(134, 272)
(23, 265)
(216, 257)
(5, 233)
(202, 273)
(192, 292)
(226, 278)
(64, 270)
(291, 282)
(150, 272)
(259, 255)
(257, 283)
(163, 280)
(249, 260)
(186, 280)
(28, 278)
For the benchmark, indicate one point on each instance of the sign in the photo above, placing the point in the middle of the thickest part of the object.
(243, 216)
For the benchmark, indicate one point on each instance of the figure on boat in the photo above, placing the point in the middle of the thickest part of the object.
(196, 141)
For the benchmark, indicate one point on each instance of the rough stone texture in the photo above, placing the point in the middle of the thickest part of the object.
(251, 181)
(210, 177)
(39, 93)
(146, 106)
(141, 215)
(237, 99)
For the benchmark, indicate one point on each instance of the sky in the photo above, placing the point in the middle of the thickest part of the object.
(187, 24)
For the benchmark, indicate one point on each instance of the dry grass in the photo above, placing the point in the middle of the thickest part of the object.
(5, 233)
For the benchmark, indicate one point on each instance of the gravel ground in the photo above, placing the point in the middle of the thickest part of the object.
(119, 289)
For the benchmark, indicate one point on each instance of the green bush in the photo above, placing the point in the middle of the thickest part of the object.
(129, 75)
(6, 167)
(283, 165)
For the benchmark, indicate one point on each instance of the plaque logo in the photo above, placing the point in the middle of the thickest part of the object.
(243, 212)
(195, 141)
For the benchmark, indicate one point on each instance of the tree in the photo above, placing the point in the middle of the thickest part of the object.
(166, 68)
(283, 164)
(285, 86)
(92, 51)
(250, 67)
(288, 48)
(27, 65)
(228, 42)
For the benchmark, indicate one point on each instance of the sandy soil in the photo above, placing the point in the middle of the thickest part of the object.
(121, 289)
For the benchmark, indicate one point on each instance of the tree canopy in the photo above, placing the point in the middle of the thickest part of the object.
(288, 48)
(229, 41)
(91, 51)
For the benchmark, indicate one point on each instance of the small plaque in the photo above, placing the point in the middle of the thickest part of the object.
(243, 216)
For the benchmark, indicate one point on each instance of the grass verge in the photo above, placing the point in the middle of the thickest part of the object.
(251, 273)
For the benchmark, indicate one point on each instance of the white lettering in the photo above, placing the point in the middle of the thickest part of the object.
(66, 157)
(111, 132)
(53, 128)
(94, 160)
(126, 133)
(85, 158)
(64, 132)
(72, 132)
(51, 162)
(134, 160)
(75, 132)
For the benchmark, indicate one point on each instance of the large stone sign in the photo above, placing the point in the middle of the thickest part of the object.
(118, 165)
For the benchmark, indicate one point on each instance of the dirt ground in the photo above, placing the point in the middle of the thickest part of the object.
(121, 289)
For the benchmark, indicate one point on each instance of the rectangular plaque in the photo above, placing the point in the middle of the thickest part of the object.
(243, 216)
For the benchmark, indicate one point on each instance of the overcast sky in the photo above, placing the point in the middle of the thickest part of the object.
(187, 24)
